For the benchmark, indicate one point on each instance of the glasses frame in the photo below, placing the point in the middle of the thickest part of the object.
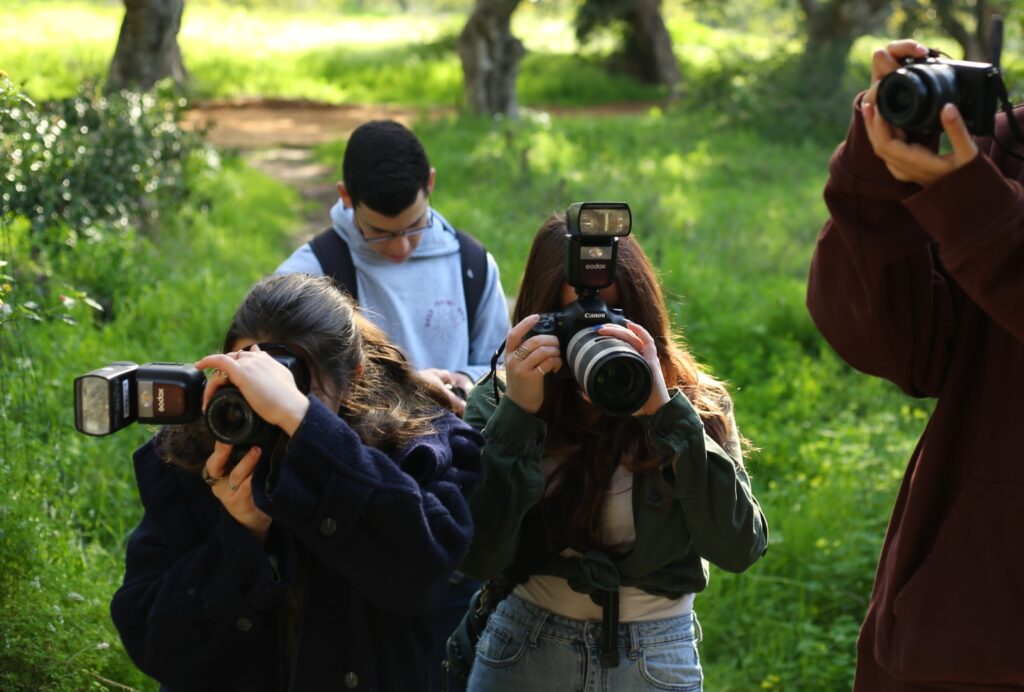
(391, 236)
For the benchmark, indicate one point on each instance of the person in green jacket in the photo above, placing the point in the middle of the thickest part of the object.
(605, 524)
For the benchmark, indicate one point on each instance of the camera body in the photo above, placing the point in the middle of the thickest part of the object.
(112, 397)
(912, 97)
(609, 371)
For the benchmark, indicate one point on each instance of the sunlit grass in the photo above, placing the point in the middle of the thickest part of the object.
(408, 59)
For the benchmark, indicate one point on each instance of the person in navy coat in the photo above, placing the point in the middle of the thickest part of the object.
(310, 564)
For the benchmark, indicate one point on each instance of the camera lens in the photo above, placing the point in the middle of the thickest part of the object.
(230, 418)
(911, 97)
(610, 372)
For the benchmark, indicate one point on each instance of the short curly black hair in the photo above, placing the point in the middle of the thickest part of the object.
(385, 167)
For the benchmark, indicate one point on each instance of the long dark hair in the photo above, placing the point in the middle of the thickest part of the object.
(386, 403)
(590, 445)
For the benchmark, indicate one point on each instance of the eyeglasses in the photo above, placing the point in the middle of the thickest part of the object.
(389, 236)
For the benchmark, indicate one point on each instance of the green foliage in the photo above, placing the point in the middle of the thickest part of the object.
(595, 14)
(67, 502)
(92, 160)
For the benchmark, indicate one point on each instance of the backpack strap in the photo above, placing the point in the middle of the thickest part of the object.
(474, 274)
(335, 259)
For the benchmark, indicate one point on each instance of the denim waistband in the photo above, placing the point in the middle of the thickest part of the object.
(647, 632)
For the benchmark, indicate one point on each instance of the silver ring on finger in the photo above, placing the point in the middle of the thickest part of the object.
(541, 370)
(232, 485)
(210, 480)
(521, 352)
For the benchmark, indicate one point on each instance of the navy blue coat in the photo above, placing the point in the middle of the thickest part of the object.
(370, 539)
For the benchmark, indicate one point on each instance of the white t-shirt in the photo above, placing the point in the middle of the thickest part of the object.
(635, 605)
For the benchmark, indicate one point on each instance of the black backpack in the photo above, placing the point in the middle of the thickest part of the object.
(335, 259)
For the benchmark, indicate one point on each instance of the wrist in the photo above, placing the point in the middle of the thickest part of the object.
(260, 528)
(655, 403)
(512, 394)
(294, 412)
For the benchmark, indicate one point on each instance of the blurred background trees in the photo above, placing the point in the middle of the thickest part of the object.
(642, 46)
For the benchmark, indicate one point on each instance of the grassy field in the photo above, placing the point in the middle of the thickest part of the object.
(237, 51)
(727, 203)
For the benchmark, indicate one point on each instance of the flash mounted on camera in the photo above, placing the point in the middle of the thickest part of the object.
(116, 395)
(608, 371)
(592, 243)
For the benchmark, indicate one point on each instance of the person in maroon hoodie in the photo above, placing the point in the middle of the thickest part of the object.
(918, 277)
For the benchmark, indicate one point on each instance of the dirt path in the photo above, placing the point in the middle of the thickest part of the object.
(278, 135)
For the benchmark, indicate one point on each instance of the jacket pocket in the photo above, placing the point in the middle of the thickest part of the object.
(960, 617)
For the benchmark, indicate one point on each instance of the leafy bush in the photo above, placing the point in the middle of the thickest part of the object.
(93, 170)
(92, 160)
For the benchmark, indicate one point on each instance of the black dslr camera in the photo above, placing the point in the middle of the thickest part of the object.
(610, 372)
(912, 97)
(121, 393)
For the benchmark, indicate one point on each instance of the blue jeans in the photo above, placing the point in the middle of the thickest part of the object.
(526, 647)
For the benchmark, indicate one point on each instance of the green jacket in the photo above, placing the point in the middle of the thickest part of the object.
(711, 514)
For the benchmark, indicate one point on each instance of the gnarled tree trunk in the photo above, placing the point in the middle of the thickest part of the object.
(490, 58)
(147, 47)
(648, 45)
(832, 27)
(646, 52)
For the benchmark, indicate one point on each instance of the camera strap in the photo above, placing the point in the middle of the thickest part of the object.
(494, 371)
(1004, 99)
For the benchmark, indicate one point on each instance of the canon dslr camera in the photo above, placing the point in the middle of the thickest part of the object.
(912, 97)
(609, 371)
(112, 397)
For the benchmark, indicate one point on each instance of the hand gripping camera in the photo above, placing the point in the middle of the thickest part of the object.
(609, 371)
(912, 97)
(111, 397)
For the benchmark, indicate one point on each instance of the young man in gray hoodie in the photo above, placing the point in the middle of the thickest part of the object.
(408, 261)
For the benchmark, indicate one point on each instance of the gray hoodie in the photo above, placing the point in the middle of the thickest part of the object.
(420, 302)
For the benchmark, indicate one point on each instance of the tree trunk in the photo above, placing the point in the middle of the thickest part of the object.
(976, 45)
(648, 46)
(832, 27)
(147, 47)
(490, 58)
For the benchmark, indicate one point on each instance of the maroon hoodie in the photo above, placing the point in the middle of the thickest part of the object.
(925, 287)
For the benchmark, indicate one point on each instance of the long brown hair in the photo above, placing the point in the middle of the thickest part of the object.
(591, 446)
(381, 397)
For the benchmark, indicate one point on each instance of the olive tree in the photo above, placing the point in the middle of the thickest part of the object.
(490, 57)
(147, 46)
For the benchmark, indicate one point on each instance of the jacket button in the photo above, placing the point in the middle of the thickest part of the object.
(351, 680)
(664, 430)
(328, 526)
(243, 624)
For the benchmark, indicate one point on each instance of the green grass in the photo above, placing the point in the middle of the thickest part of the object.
(68, 501)
(331, 56)
(727, 203)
